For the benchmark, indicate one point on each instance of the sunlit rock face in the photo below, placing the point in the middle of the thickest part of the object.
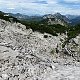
(28, 55)
(73, 48)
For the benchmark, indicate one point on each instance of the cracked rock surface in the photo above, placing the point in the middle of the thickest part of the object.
(26, 55)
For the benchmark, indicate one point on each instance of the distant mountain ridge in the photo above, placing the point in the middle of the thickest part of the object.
(19, 16)
(8, 17)
(73, 19)
(26, 17)
(70, 17)
(51, 19)
(56, 18)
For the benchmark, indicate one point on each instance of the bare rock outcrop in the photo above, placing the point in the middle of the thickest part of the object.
(26, 55)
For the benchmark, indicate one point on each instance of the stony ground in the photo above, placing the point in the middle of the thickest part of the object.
(26, 55)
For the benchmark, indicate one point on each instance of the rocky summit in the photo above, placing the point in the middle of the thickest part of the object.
(28, 55)
(56, 18)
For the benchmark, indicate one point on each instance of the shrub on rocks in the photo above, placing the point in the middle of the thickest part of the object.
(45, 36)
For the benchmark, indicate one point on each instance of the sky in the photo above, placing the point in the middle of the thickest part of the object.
(41, 7)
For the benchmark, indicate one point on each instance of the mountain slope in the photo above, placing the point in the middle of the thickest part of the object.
(75, 21)
(50, 19)
(28, 55)
(26, 17)
(70, 17)
(7, 17)
(24, 53)
(55, 19)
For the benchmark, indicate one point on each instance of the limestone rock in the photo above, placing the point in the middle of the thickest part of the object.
(25, 55)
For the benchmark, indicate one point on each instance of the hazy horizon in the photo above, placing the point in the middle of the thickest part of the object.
(41, 7)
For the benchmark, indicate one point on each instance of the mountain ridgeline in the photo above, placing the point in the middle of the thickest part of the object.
(55, 19)
(49, 19)
(8, 17)
(51, 23)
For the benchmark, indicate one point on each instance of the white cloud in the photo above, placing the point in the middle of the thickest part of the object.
(11, 8)
(52, 1)
(30, 7)
(72, 1)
